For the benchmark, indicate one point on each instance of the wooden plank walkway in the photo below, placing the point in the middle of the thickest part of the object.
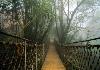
(52, 61)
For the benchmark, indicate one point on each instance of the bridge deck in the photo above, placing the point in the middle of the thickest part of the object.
(52, 61)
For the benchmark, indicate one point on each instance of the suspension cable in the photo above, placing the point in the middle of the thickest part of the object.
(85, 40)
(4, 33)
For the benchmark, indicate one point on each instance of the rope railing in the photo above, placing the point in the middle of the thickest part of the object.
(85, 40)
(21, 55)
(3, 33)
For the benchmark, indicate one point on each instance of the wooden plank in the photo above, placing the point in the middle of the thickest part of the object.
(52, 61)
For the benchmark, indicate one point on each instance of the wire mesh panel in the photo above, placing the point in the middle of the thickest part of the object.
(21, 54)
(10, 57)
(80, 57)
(36, 56)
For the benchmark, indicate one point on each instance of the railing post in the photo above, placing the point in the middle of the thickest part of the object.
(43, 52)
(25, 54)
(36, 57)
(32, 67)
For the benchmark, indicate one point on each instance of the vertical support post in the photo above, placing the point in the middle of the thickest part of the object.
(25, 55)
(36, 57)
(32, 67)
(43, 52)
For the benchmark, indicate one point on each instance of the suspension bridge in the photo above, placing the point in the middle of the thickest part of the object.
(49, 35)
(27, 55)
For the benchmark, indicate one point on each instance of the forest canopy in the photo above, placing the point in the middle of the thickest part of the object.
(67, 20)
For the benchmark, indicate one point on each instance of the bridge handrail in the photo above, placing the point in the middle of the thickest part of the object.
(85, 40)
(4, 33)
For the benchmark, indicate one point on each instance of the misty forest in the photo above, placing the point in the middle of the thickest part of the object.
(49, 34)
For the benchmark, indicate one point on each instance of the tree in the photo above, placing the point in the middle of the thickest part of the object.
(31, 19)
(39, 17)
(74, 17)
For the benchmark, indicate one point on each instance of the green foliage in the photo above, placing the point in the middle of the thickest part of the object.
(39, 17)
(33, 16)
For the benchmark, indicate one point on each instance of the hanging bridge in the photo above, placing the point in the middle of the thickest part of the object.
(24, 54)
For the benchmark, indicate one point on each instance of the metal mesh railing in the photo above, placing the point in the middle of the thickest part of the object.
(80, 57)
(22, 54)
